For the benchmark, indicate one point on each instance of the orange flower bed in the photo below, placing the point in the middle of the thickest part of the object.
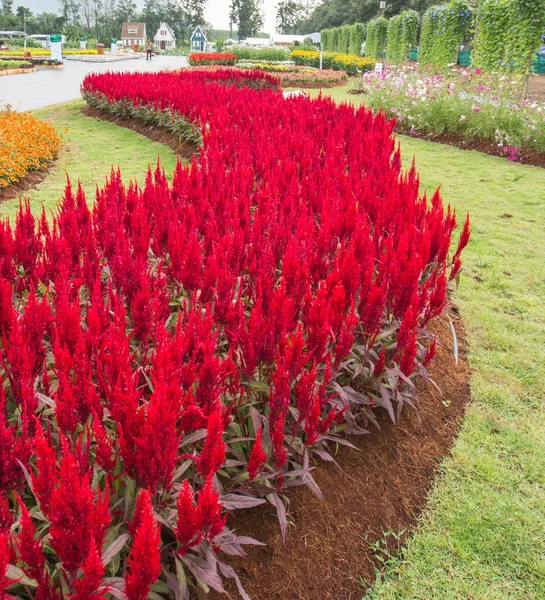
(28, 144)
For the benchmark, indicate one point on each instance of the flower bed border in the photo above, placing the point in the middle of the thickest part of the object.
(17, 71)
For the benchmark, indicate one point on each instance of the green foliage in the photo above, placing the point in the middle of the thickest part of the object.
(344, 39)
(357, 37)
(402, 35)
(350, 63)
(334, 40)
(377, 38)
(326, 40)
(6, 65)
(508, 33)
(347, 39)
(248, 16)
(444, 29)
(273, 54)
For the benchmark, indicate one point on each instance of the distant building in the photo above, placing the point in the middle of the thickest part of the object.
(256, 41)
(287, 40)
(133, 34)
(165, 38)
(315, 37)
(198, 39)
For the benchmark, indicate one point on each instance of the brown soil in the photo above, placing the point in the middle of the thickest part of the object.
(382, 488)
(154, 133)
(526, 156)
(28, 182)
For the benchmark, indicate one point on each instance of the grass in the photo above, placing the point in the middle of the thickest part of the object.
(482, 536)
(90, 148)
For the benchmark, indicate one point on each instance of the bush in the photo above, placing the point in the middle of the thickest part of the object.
(20, 43)
(6, 65)
(468, 102)
(27, 145)
(349, 63)
(212, 58)
(296, 76)
(179, 351)
(507, 34)
(402, 35)
(273, 54)
(377, 38)
(444, 29)
(357, 37)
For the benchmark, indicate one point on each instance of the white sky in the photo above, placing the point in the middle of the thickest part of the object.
(217, 11)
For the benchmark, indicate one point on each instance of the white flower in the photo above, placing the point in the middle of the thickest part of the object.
(462, 118)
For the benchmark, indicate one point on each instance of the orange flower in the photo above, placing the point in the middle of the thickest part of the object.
(28, 144)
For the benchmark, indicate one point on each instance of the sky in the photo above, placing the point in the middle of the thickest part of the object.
(217, 11)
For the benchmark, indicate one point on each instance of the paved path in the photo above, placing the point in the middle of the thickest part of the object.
(36, 90)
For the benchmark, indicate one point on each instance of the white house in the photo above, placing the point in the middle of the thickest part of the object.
(165, 38)
(133, 34)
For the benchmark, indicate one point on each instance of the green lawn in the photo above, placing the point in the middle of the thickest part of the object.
(90, 148)
(483, 534)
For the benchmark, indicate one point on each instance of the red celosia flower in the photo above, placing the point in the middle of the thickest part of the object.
(144, 565)
(77, 515)
(258, 457)
(89, 585)
(212, 455)
(188, 523)
(208, 513)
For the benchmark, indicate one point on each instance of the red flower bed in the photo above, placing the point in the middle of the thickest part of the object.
(212, 58)
(179, 350)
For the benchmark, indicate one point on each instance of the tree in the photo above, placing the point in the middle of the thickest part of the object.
(69, 11)
(152, 15)
(248, 16)
(288, 15)
(7, 7)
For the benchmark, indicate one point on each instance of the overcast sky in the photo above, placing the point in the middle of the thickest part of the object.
(217, 12)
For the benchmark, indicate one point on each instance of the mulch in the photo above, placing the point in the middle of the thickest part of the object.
(381, 488)
(525, 156)
(154, 133)
(26, 183)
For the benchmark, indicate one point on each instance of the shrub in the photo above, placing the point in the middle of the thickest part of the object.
(377, 38)
(212, 58)
(349, 63)
(507, 34)
(357, 37)
(6, 65)
(444, 29)
(273, 54)
(468, 102)
(402, 35)
(179, 350)
(27, 145)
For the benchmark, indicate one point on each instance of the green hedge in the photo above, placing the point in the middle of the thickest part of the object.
(508, 33)
(6, 65)
(402, 35)
(444, 29)
(274, 54)
(347, 39)
(377, 38)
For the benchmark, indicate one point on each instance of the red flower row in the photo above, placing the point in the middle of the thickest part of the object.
(179, 349)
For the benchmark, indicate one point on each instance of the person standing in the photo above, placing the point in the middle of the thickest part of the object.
(149, 50)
